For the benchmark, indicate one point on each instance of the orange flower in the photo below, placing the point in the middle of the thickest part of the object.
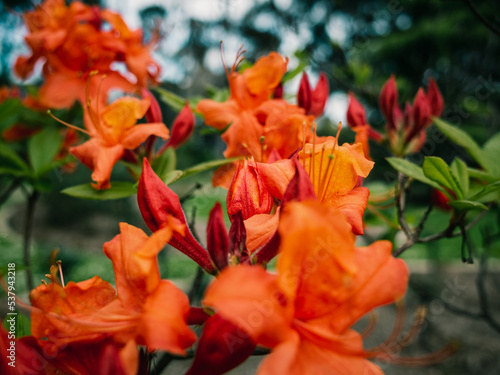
(334, 171)
(256, 124)
(74, 43)
(323, 286)
(145, 309)
(113, 131)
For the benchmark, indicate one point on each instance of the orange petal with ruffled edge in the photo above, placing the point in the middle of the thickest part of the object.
(99, 158)
(163, 320)
(249, 297)
(260, 229)
(121, 115)
(353, 206)
(316, 256)
(85, 297)
(218, 115)
(139, 133)
(266, 74)
(381, 279)
(300, 357)
(243, 137)
(135, 263)
(276, 176)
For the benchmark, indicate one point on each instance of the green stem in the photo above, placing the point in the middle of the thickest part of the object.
(28, 232)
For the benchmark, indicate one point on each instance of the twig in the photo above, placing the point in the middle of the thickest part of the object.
(484, 312)
(28, 231)
(483, 20)
(9, 190)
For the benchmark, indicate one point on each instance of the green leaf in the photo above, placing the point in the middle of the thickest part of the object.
(486, 190)
(481, 175)
(173, 100)
(438, 171)
(465, 205)
(42, 149)
(165, 163)
(459, 169)
(9, 113)
(492, 148)
(10, 157)
(461, 138)
(172, 176)
(205, 167)
(293, 73)
(116, 191)
(411, 170)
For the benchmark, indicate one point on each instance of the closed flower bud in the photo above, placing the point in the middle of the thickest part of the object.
(217, 240)
(389, 104)
(435, 98)
(247, 192)
(319, 96)
(356, 114)
(154, 112)
(222, 347)
(182, 127)
(304, 94)
(156, 202)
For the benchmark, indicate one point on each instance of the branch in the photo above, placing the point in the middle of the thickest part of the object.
(483, 20)
(28, 231)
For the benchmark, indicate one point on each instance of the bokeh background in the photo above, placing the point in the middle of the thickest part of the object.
(358, 44)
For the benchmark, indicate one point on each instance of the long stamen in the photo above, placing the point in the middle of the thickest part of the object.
(372, 323)
(313, 153)
(321, 168)
(304, 144)
(329, 174)
(224, 60)
(67, 124)
(60, 273)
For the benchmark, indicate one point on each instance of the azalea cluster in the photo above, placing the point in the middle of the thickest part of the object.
(405, 130)
(79, 39)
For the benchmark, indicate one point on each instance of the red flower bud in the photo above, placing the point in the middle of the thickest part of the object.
(238, 239)
(389, 104)
(440, 200)
(217, 240)
(154, 112)
(420, 115)
(319, 96)
(278, 91)
(247, 192)
(304, 95)
(356, 114)
(156, 201)
(300, 187)
(222, 347)
(435, 98)
(182, 128)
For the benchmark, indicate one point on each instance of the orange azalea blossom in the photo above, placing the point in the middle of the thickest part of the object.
(255, 124)
(74, 41)
(112, 131)
(323, 285)
(334, 172)
(144, 310)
